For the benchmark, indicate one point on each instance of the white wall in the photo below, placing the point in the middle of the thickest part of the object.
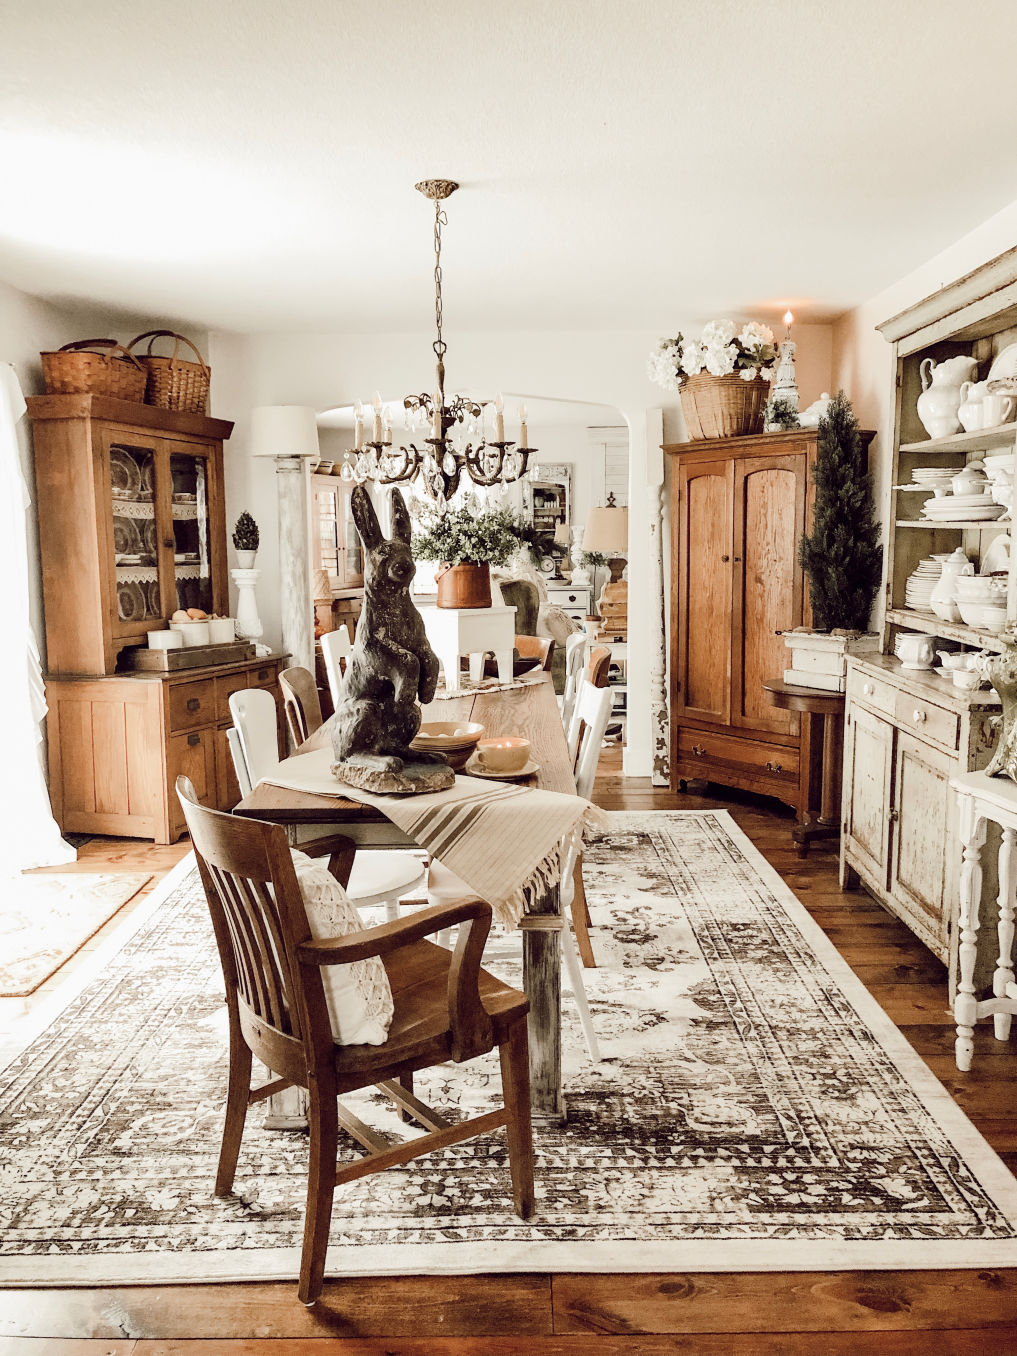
(605, 367)
(863, 360)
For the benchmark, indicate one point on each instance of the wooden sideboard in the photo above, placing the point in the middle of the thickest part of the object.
(117, 744)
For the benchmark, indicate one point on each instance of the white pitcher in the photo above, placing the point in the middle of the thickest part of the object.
(943, 599)
(940, 400)
(969, 411)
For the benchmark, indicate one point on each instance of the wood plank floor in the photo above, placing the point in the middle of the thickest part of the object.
(739, 1314)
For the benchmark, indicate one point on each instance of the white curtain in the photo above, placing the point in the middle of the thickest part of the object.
(29, 836)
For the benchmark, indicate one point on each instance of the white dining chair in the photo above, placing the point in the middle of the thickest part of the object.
(575, 658)
(590, 715)
(378, 877)
(336, 648)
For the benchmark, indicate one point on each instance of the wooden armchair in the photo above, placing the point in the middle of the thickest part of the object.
(446, 1008)
(536, 647)
(301, 703)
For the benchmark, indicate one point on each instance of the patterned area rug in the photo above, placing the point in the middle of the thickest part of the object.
(754, 1110)
(45, 919)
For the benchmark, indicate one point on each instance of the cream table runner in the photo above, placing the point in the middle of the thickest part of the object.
(504, 841)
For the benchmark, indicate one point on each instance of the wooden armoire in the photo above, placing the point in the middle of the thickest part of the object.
(739, 507)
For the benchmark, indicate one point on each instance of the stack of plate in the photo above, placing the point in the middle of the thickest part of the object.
(918, 590)
(962, 508)
(934, 477)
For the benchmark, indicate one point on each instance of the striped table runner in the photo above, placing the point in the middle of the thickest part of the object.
(504, 841)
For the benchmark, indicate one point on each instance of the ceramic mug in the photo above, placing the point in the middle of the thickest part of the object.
(509, 754)
(996, 409)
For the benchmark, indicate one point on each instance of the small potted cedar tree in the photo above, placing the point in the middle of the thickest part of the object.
(246, 539)
(841, 557)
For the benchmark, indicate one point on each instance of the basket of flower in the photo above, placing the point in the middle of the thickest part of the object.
(723, 377)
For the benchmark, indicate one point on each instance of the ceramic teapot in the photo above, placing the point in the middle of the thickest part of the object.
(969, 412)
(940, 400)
(914, 649)
(943, 599)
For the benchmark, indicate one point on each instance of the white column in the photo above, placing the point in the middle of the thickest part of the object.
(295, 603)
(646, 621)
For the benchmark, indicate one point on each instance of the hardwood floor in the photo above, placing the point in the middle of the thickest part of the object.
(737, 1314)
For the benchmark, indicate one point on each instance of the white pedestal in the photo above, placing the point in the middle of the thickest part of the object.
(295, 601)
(455, 631)
(249, 625)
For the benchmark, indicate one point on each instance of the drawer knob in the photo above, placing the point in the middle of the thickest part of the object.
(775, 767)
(698, 750)
(894, 816)
(194, 739)
(194, 703)
(262, 675)
(918, 716)
(868, 689)
(725, 559)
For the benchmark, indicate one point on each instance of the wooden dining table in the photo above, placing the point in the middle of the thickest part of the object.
(530, 710)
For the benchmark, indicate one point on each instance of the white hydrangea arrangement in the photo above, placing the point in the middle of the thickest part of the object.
(718, 351)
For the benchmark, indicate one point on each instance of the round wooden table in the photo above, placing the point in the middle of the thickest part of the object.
(813, 702)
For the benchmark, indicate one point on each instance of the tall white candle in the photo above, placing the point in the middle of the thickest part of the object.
(523, 434)
(377, 416)
(499, 419)
(358, 426)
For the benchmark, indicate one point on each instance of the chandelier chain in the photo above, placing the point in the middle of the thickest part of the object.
(440, 220)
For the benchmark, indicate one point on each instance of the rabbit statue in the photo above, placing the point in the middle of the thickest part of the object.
(390, 668)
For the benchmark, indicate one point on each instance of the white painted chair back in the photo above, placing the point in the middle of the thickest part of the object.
(254, 716)
(575, 658)
(335, 646)
(239, 761)
(586, 733)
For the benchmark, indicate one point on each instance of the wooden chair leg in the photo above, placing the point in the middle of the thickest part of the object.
(515, 1081)
(238, 1091)
(323, 1120)
(406, 1081)
(581, 918)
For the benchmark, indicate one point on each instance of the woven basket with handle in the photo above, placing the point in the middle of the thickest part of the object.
(174, 383)
(723, 407)
(78, 369)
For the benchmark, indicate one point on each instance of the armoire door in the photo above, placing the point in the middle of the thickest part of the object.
(705, 526)
(769, 519)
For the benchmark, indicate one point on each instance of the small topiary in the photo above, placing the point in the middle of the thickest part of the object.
(246, 536)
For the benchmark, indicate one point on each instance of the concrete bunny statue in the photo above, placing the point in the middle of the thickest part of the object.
(390, 669)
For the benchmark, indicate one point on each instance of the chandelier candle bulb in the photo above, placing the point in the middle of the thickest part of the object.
(523, 433)
(499, 419)
(358, 426)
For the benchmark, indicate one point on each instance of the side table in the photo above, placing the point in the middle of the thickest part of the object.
(455, 631)
(814, 702)
(983, 799)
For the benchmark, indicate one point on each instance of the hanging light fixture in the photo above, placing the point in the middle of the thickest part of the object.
(450, 430)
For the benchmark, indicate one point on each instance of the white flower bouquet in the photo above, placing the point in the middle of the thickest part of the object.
(723, 376)
(719, 351)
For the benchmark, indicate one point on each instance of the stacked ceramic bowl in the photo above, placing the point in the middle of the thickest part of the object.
(981, 601)
(457, 740)
(1000, 469)
(921, 582)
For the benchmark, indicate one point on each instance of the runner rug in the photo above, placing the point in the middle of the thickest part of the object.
(754, 1110)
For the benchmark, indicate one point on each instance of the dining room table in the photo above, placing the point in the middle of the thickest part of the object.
(531, 710)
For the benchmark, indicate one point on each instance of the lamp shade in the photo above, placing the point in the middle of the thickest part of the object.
(607, 531)
(284, 431)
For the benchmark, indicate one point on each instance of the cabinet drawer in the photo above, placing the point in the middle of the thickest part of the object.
(766, 761)
(191, 755)
(927, 721)
(191, 704)
(872, 692)
(258, 675)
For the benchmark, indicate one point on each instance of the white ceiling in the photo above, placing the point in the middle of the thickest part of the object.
(249, 164)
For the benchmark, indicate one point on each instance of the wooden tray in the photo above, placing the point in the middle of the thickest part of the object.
(190, 657)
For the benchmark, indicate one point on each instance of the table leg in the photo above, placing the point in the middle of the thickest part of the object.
(477, 666)
(504, 660)
(1004, 966)
(965, 1005)
(450, 663)
(286, 1110)
(829, 807)
(542, 983)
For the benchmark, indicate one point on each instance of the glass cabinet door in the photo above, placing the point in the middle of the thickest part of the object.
(353, 570)
(191, 539)
(132, 491)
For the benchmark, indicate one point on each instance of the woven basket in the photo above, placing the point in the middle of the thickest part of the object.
(76, 369)
(723, 407)
(174, 383)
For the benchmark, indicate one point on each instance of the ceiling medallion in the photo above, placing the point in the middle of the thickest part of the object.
(454, 437)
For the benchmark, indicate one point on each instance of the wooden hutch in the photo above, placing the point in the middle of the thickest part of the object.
(132, 527)
(739, 507)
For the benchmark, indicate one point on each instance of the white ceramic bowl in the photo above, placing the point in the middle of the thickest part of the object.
(165, 640)
(967, 679)
(977, 586)
(193, 632)
(221, 630)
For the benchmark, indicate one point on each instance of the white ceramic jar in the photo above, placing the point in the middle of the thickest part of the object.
(943, 599)
(914, 649)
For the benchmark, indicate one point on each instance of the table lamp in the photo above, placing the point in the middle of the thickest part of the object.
(607, 534)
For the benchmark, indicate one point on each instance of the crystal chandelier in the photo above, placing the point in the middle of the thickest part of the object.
(450, 431)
